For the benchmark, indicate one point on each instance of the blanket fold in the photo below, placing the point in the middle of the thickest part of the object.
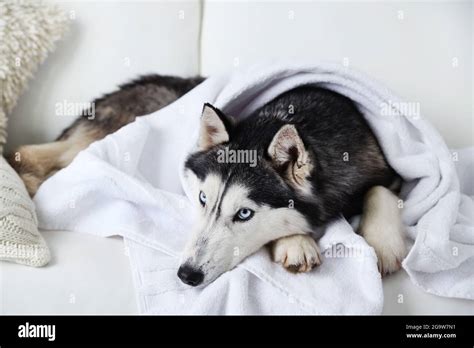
(129, 184)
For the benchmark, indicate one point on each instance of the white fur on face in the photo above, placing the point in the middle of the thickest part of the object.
(218, 243)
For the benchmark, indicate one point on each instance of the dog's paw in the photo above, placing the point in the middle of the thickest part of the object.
(297, 253)
(389, 261)
(389, 247)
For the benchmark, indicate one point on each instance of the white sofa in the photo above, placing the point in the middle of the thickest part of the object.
(422, 51)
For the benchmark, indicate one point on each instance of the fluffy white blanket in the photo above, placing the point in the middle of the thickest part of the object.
(129, 184)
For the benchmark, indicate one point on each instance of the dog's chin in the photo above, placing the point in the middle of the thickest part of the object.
(212, 269)
(209, 279)
(213, 275)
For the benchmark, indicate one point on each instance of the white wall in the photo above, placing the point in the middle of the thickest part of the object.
(410, 46)
(420, 50)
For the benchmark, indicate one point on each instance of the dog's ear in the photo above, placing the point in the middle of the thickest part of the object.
(214, 128)
(290, 158)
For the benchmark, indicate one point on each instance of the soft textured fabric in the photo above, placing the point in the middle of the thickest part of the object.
(20, 240)
(28, 31)
(3, 130)
(130, 184)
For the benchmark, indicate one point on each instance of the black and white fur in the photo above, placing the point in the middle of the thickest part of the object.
(317, 160)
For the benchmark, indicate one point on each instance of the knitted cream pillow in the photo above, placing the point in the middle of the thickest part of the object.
(20, 240)
(28, 31)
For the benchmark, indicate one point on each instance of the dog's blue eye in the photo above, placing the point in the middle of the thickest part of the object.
(202, 198)
(244, 214)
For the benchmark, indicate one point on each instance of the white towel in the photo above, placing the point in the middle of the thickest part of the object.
(129, 184)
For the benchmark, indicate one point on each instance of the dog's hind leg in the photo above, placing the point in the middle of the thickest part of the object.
(382, 228)
(36, 163)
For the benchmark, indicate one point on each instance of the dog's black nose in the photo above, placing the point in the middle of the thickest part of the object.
(190, 276)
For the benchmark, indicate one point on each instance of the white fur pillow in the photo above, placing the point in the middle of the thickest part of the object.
(28, 31)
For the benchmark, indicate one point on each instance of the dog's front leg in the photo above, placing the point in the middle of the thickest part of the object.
(382, 228)
(297, 253)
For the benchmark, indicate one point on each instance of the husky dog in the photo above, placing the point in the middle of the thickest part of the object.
(301, 161)
(317, 160)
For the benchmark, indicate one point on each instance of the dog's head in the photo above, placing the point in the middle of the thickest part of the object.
(247, 193)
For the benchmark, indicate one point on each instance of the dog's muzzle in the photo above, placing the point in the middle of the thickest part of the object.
(190, 276)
